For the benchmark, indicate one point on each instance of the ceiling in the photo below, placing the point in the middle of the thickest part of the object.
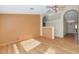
(23, 9)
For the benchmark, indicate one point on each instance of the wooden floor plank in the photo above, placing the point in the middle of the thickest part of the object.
(20, 48)
(66, 45)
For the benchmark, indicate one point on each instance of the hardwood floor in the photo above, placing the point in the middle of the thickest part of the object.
(65, 45)
(42, 45)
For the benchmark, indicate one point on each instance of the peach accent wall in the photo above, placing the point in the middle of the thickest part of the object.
(18, 26)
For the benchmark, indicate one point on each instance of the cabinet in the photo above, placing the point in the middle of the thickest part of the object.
(48, 32)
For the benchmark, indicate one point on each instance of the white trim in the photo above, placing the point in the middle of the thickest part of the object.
(41, 23)
(41, 17)
(36, 13)
(53, 33)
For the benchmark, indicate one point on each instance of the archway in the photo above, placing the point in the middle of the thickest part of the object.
(71, 23)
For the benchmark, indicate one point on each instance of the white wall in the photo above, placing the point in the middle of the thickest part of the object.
(65, 27)
(78, 24)
(78, 28)
(57, 20)
(71, 28)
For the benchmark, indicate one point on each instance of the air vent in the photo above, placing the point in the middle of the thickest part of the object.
(31, 8)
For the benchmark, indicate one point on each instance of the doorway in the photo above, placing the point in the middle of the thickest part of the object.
(71, 23)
